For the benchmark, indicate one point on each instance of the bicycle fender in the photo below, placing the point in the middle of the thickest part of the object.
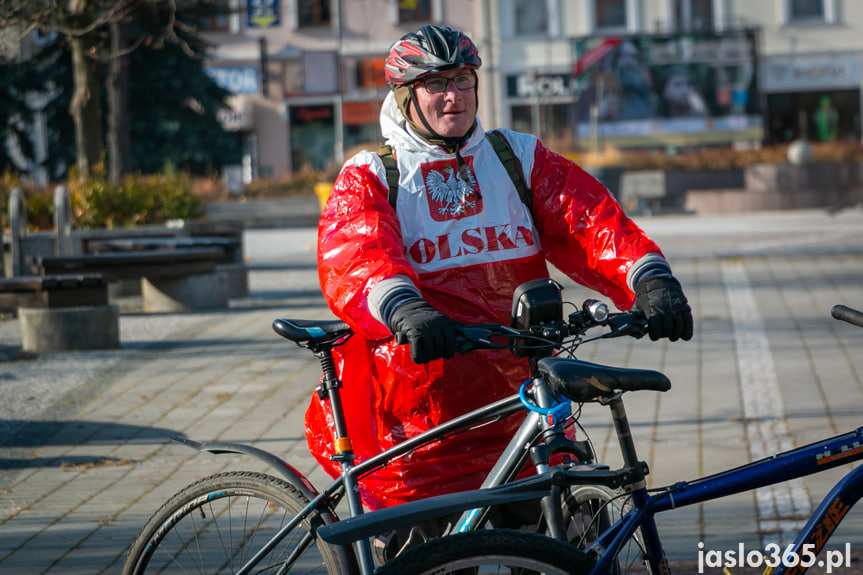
(285, 469)
(369, 524)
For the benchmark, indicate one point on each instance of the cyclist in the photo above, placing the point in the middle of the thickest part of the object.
(451, 248)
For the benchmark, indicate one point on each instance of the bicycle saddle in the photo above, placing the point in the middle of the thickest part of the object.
(310, 331)
(582, 381)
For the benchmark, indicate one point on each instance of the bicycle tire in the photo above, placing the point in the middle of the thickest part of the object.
(587, 511)
(591, 509)
(489, 551)
(217, 523)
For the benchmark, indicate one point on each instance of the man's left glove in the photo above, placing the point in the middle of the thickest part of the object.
(661, 300)
(430, 333)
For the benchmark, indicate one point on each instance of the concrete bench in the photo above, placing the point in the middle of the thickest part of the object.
(62, 312)
(53, 291)
(231, 262)
(229, 245)
(171, 280)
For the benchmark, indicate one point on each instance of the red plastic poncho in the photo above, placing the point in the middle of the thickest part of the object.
(466, 262)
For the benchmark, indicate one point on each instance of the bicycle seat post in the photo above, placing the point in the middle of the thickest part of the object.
(344, 454)
(329, 389)
(636, 470)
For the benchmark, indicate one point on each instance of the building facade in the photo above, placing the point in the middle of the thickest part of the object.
(308, 74)
(312, 73)
(758, 72)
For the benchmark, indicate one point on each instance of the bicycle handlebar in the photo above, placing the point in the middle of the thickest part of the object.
(551, 335)
(845, 313)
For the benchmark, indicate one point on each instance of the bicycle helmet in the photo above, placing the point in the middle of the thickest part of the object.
(430, 49)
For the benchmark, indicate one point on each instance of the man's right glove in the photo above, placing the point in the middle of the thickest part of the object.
(430, 333)
(661, 300)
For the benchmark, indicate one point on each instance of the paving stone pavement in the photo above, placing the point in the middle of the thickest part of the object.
(79, 477)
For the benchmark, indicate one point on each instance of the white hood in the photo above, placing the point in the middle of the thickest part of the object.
(398, 133)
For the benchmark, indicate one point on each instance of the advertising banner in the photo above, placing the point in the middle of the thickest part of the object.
(263, 13)
(235, 79)
(695, 84)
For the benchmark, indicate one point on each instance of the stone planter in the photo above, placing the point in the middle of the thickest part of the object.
(609, 176)
(661, 191)
(784, 187)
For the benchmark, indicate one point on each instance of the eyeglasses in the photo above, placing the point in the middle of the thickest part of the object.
(440, 84)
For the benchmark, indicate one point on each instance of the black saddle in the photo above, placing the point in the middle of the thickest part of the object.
(583, 381)
(311, 332)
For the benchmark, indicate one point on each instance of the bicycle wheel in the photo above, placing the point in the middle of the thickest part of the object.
(216, 524)
(490, 551)
(588, 510)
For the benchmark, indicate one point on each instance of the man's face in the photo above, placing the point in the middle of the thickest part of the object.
(450, 113)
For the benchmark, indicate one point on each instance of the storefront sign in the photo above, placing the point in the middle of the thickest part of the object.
(355, 113)
(237, 116)
(263, 13)
(235, 79)
(308, 114)
(544, 85)
(815, 74)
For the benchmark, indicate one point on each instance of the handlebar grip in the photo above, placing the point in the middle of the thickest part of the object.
(847, 314)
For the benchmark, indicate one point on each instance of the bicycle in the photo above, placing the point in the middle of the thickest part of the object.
(208, 526)
(634, 536)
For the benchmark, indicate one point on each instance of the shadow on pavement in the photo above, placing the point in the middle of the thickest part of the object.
(76, 461)
(27, 435)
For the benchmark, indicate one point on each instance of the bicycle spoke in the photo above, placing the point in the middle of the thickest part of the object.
(220, 523)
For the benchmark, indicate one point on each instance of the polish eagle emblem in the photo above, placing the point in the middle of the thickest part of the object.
(452, 195)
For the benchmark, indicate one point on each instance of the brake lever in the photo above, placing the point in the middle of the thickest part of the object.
(472, 337)
(631, 323)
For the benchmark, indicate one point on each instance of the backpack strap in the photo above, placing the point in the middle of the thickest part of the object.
(387, 157)
(513, 166)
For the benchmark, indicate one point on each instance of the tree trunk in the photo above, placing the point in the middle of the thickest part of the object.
(117, 89)
(86, 107)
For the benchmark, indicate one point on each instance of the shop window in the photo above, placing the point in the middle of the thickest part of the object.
(362, 136)
(693, 15)
(806, 10)
(370, 74)
(817, 116)
(531, 17)
(312, 136)
(213, 16)
(521, 118)
(313, 13)
(610, 13)
(293, 77)
(552, 124)
(415, 10)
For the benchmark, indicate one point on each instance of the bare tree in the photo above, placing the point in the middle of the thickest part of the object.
(117, 89)
(96, 33)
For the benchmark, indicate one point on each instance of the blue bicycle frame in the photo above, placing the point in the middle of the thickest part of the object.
(792, 464)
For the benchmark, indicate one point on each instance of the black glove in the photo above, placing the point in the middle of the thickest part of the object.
(430, 333)
(661, 300)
